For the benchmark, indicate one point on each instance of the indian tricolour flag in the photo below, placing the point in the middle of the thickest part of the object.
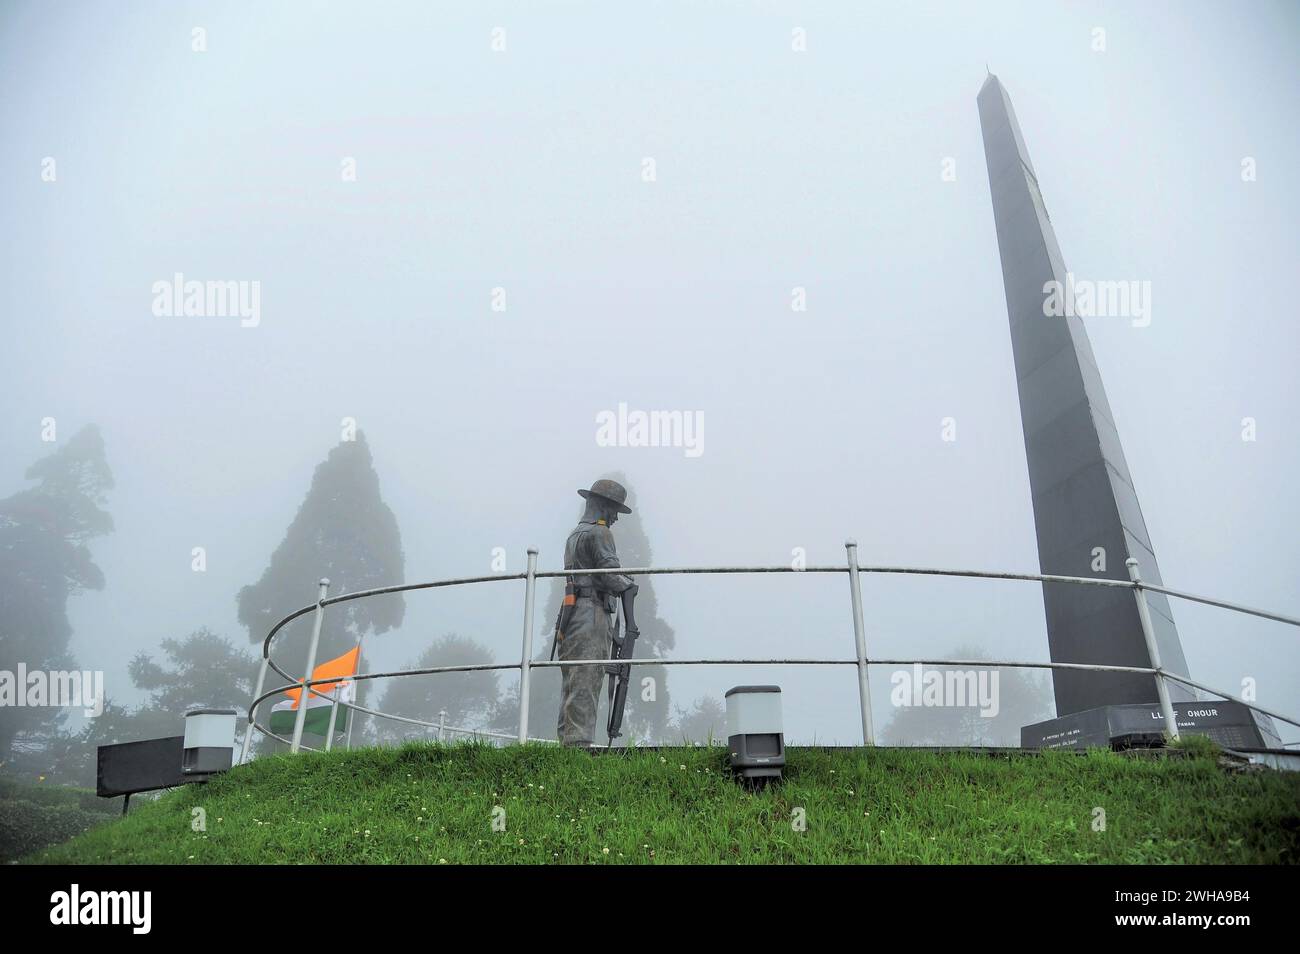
(317, 721)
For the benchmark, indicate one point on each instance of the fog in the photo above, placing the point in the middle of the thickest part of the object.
(485, 176)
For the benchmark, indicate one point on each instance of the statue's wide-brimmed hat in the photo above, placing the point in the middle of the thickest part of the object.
(612, 491)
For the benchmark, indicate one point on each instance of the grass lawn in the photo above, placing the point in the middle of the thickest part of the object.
(429, 804)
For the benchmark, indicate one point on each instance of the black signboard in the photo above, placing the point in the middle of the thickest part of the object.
(131, 767)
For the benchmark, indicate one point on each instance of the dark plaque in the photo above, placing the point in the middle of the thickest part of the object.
(1230, 724)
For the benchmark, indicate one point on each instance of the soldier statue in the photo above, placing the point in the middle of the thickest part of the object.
(585, 628)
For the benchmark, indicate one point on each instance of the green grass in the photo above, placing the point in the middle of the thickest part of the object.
(35, 816)
(427, 803)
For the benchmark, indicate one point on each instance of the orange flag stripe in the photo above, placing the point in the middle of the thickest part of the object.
(343, 666)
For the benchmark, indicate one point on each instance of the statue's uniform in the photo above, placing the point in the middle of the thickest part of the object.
(588, 634)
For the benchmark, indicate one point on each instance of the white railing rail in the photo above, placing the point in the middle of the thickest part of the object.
(860, 660)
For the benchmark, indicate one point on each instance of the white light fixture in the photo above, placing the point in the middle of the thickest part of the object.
(209, 742)
(755, 736)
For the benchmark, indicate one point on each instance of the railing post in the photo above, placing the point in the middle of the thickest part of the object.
(1153, 650)
(442, 725)
(311, 665)
(526, 660)
(248, 731)
(860, 638)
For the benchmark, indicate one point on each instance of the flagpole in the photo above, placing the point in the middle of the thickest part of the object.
(347, 743)
(334, 715)
(311, 666)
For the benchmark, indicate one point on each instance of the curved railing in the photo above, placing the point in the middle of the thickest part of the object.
(860, 660)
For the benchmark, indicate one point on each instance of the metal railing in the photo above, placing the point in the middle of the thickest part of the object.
(860, 660)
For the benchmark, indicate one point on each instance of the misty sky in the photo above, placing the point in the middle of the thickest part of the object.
(522, 170)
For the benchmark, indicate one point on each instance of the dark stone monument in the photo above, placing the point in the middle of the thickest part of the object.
(1083, 494)
(1230, 724)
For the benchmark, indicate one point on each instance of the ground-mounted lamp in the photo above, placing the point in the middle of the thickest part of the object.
(209, 743)
(755, 737)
